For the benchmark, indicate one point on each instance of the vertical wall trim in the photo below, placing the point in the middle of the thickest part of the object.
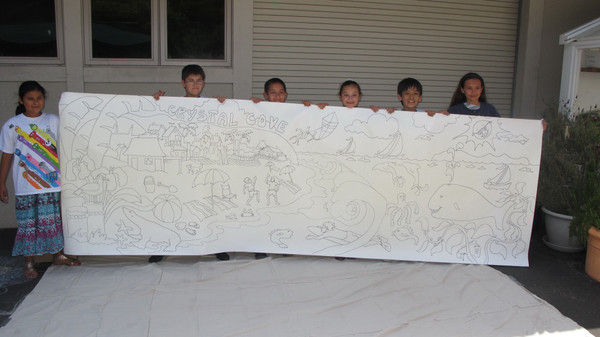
(528, 59)
(73, 30)
(242, 48)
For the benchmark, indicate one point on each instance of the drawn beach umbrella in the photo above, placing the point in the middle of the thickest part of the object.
(270, 165)
(167, 208)
(211, 176)
(288, 169)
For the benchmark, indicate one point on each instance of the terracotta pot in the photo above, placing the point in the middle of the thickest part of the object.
(592, 258)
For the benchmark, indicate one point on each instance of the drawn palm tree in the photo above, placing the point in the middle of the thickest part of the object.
(211, 176)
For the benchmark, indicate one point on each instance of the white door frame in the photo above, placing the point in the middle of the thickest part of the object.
(575, 41)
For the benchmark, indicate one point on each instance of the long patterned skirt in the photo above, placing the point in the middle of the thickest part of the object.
(39, 223)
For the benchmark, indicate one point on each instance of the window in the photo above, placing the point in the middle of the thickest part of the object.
(121, 29)
(157, 32)
(196, 29)
(28, 31)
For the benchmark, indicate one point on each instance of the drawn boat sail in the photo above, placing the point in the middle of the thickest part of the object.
(349, 148)
(501, 181)
(393, 148)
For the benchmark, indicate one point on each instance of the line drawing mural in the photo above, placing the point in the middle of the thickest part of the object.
(192, 176)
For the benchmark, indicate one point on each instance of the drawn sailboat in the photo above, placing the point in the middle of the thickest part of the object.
(393, 148)
(501, 181)
(349, 148)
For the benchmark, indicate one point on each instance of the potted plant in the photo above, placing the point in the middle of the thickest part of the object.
(586, 217)
(566, 154)
(586, 225)
(592, 260)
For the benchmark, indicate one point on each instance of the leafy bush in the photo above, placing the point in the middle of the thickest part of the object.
(569, 163)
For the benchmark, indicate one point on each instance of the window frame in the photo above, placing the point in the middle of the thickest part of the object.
(226, 62)
(158, 40)
(60, 55)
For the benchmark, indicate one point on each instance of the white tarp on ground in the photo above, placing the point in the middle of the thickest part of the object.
(186, 176)
(281, 296)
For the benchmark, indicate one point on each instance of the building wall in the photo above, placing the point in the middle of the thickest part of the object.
(558, 17)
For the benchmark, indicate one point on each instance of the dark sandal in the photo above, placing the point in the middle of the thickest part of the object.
(65, 260)
(30, 271)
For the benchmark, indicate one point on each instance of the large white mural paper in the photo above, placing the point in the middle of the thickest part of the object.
(192, 176)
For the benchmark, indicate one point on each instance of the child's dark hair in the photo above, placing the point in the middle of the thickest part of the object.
(348, 83)
(26, 87)
(192, 69)
(459, 96)
(272, 81)
(408, 83)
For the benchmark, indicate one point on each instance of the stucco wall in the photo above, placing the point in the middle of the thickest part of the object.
(559, 17)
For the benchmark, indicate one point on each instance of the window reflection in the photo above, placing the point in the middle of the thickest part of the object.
(196, 29)
(121, 29)
(28, 29)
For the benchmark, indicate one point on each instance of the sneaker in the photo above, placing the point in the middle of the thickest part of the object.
(222, 256)
(259, 256)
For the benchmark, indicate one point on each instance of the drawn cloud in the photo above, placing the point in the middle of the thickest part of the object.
(376, 126)
(436, 124)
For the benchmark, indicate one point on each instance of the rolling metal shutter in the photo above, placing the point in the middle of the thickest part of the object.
(315, 45)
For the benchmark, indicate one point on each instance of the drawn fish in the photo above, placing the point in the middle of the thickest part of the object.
(278, 235)
(152, 232)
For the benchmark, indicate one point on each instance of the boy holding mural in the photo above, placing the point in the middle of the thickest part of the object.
(410, 91)
(192, 80)
(275, 91)
(410, 94)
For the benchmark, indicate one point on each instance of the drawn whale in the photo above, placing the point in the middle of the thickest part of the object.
(462, 203)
